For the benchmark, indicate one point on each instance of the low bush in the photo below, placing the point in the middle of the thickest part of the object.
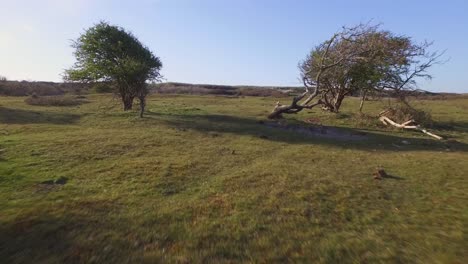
(194, 89)
(227, 90)
(54, 100)
(262, 92)
(403, 113)
(365, 121)
(25, 88)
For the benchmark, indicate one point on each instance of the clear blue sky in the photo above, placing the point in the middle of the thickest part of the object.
(256, 42)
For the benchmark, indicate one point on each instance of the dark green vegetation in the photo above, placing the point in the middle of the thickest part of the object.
(210, 89)
(24, 88)
(110, 54)
(55, 100)
(208, 179)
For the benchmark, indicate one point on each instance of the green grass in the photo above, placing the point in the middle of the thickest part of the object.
(202, 179)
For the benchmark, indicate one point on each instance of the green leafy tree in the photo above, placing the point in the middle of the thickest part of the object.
(108, 53)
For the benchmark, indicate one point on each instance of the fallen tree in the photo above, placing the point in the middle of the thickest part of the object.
(361, 58)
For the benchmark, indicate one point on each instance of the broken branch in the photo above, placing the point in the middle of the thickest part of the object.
(386, 121)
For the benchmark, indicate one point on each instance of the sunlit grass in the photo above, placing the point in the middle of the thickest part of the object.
(204, 179)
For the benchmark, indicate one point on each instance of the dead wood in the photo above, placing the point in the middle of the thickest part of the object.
(406, 125)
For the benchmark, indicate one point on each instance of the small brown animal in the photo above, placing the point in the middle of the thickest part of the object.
(379, 174)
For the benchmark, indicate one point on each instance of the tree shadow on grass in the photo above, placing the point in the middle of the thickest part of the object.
(452, 126)
(298, 133)
(393, 177)
(19, 116)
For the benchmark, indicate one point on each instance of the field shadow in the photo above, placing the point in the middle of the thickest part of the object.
(19, 116)
(367, 139)
(453, 126)
(71, 236)
(393, 177)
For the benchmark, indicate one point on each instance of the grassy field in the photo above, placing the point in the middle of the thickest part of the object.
(208, 179)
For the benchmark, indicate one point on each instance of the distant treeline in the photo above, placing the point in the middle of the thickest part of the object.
(201, 89)
(27, 88)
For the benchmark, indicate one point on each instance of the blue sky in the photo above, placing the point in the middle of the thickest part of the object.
(256, 42)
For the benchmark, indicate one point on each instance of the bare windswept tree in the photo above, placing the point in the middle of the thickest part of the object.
(359, 59)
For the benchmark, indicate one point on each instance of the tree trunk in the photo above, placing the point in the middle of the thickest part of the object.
(363, 98)
(296, 106)
(127, 102)
(142, 99)
(338, 100)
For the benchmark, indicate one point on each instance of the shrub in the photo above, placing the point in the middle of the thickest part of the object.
(365, 121)
(25, 88)
(53, 100)
(403, 113)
